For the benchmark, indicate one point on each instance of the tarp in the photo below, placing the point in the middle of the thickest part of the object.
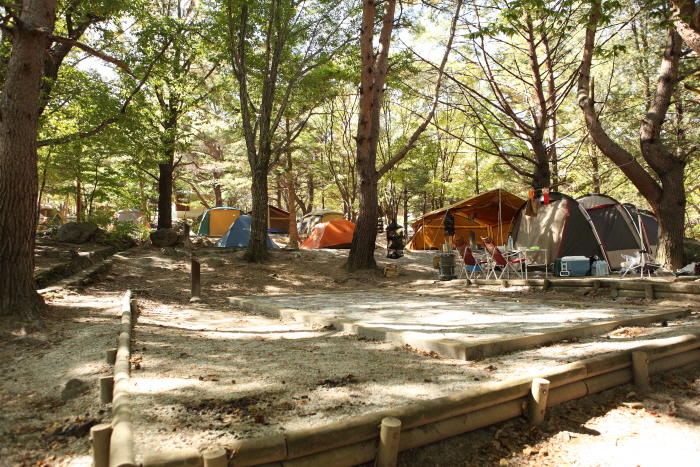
(487, 214)
(336, 233)
(562, 227)
(216, 221)
(238, 235)
(317, 216)
(616, 227)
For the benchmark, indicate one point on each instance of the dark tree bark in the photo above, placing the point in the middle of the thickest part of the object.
(666, 197)
(372, 80)
(19, 114)
(165, 195)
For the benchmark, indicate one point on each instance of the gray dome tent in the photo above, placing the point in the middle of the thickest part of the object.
(617, 226)
(238, 235)
(562, 227)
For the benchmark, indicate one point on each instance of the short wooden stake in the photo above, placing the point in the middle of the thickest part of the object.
(196, 284)
(389, 442)
(100, 436)
(106, 389)
(546, 284)
(538, 400)
(649, 290)
(640, 369)
(215, 458)
(504, 284)
(186, 243)
(614, 289)
(111, 356)
(596, 286)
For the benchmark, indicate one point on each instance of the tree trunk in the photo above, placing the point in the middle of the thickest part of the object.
(19, 102)
(165, 196)
(291, 204)
(257, 246)
(373, 76)
(686, 19)
(666, 197)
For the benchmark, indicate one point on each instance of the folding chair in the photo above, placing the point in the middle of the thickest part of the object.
(470, 266)
(644, 263)
(503, 263)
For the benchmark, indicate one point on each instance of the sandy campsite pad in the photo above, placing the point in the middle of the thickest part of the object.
(458, 326)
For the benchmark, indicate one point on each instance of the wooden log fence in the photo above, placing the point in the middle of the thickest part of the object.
(359, 440)
(604, 284)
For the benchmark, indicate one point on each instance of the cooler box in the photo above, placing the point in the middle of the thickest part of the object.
(572, 266)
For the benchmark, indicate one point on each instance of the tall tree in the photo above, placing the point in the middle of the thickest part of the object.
(280, 51)
(29, 26)
(372, 82)
(517, 75)
(662, 184)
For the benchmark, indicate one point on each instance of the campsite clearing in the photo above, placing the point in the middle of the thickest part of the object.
(195, 363)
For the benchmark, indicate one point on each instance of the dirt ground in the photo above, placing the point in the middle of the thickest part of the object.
(44, 420)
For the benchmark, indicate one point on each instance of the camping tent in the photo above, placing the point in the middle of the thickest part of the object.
(486, 214)
(216, 221)
(317, 216)
(617, 227)
(49, 215)
(239, 234)
(277, 220)
(131, 215)
(336, 233)
(562, 227)
(649, 226)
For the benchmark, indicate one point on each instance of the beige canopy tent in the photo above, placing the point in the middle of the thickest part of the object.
(486, 214)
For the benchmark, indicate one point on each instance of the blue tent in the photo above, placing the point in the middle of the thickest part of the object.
(239, 233)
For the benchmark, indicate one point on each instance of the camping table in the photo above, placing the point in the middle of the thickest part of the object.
(523, 254)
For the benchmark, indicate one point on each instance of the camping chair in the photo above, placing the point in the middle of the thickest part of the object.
(470, 266)
(505, 263)
(644, 263)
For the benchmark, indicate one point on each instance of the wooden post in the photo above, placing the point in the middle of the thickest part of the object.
(111, 356)
(640, 369)
(389, 442)
(538, 400)
(106, 389)
(196, 284)
(614, 289)
(186, 243)
(596, 286)
(649, 290)
(215, 458)
(100, 436)
(504, 284)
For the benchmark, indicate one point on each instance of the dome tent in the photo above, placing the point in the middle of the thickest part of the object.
(216, 221)
(617, 226)
(317, 216)
(562, 227)
(336, 233)
(238, 235)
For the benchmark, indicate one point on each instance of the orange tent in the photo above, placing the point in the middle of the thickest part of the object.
(332, 234)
